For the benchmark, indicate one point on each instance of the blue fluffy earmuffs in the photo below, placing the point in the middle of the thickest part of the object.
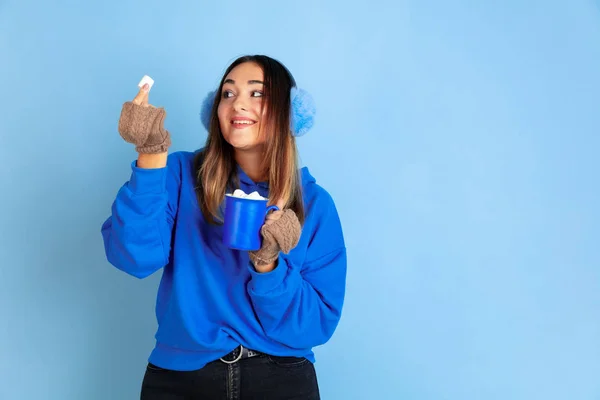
(302, 116)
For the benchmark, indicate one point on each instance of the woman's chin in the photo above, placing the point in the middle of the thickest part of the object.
(244, 141)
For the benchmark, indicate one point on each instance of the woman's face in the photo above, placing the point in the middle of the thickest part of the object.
(239, 111)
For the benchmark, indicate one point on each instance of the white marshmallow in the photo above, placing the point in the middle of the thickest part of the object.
(252, 196)
(239, 193)
(148, 80)
(255, 196)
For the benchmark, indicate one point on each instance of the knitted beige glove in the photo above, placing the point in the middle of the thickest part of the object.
(142, 125)
(282, 235)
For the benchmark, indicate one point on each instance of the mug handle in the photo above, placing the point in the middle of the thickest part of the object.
(271, 208)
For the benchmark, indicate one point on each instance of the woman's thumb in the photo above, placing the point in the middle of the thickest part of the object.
(142, 97)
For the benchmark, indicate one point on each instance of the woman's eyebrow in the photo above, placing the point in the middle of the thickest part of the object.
(250, 82)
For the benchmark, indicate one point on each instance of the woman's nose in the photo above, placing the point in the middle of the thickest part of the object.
(239, 104)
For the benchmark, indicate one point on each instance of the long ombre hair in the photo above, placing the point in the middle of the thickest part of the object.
(215, 165)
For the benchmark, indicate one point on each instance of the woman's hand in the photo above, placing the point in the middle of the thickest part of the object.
(281, 232)
(142, 125)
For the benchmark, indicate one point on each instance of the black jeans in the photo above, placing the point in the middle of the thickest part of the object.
(262, 377)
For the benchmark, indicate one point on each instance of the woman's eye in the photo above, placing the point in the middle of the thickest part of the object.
(227, 94)
(257, 93)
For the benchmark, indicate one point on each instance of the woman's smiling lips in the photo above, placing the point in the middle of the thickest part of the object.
(242, 122)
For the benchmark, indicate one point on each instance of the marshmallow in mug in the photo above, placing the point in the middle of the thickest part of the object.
(252, 196)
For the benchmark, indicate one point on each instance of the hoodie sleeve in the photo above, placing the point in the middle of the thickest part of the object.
(137, 235)
(300, 305)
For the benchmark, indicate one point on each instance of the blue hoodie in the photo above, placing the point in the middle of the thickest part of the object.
(210, 298)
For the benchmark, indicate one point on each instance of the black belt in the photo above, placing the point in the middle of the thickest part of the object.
(239, 353)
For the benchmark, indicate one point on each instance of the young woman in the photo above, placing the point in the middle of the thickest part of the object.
(231, 324)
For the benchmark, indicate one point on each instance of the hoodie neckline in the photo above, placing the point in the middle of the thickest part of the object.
(245, 179)
(305, 176)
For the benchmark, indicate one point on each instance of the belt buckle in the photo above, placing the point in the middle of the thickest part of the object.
(238, 358)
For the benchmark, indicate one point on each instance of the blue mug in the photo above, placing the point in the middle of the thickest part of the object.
(242, 222)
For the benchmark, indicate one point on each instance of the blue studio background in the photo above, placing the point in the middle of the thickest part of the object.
(466, 176)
